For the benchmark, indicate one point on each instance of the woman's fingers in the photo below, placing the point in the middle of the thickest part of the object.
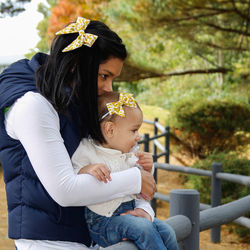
(138, 212)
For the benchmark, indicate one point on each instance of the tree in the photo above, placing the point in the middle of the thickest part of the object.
(67, 11)
(225, 24)
(165, 38)
(212, 35)
(57, 14)
(42, 27)
(12, 7)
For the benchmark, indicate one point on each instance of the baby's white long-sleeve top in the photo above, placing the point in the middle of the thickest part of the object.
(34, 121)
(89, 152)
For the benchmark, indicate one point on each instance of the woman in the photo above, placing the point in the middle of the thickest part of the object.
(46, 106)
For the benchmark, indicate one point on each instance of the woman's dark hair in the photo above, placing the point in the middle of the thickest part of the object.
(74, 74)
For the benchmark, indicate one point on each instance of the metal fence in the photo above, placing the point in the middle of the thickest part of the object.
(164, 149)
(188, 216)
(212, 215)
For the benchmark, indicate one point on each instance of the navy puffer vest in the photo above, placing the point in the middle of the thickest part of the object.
(33, 214)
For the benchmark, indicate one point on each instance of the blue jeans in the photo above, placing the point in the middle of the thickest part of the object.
(106, 231)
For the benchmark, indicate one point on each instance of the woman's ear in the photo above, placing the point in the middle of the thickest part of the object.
(108, 129)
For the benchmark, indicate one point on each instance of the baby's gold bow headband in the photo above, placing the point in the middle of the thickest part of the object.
(83, 38)
(116, 107)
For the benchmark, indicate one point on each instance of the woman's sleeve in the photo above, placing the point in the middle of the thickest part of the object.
(145, 205)
(34, 122)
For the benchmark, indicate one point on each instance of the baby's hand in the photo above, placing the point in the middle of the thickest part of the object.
(145, 160)
(99, 170)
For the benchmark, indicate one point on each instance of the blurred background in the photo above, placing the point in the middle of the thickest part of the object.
(188, 65)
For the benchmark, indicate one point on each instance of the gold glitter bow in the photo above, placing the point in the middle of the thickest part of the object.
(83, 39)
(116, 107)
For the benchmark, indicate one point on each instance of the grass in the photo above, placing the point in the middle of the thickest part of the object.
(152, 112)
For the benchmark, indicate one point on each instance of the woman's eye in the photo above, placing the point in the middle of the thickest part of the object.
(103, 76)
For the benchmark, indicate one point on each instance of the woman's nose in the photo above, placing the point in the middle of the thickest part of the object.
(104, 86)
(107, 87)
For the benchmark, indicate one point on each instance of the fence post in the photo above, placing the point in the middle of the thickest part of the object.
(155, 133)
(154, 153)
(146, 142)
(153, 201)
(167, 141)
(187, 202)
(215, 199)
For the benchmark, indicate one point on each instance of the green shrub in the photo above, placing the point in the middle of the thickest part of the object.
(204, 125)
(230, 191)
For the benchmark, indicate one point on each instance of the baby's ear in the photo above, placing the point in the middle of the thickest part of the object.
(108, 129)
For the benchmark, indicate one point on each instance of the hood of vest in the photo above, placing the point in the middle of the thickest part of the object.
(19, 73)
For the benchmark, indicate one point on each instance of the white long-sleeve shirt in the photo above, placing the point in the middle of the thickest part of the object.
(35, 123)
(88, 152)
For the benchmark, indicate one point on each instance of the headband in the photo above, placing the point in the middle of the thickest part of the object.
(116, 107)
(83, 38)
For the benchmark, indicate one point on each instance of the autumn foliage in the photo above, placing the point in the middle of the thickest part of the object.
(67, 11)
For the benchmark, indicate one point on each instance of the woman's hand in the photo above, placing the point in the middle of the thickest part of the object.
(148, 185)
(145, 160)
(139, 212)
(100, 171)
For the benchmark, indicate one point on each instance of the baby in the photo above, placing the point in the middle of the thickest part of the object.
(121, 218)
